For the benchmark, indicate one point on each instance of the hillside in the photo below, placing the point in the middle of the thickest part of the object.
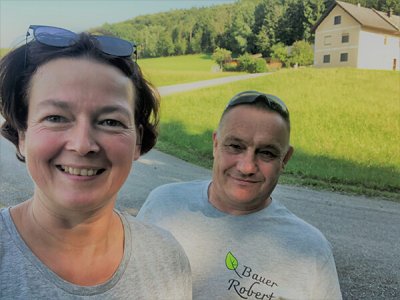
(251, 26)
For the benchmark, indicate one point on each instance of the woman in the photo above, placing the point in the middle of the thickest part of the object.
(79, 112)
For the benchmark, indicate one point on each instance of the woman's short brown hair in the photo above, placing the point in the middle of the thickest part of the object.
(18, 67)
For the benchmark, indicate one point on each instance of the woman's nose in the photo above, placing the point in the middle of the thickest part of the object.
(82, 139)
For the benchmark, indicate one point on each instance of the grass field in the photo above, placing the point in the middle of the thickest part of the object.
(346, 126)
(180, 69)
(3, 51)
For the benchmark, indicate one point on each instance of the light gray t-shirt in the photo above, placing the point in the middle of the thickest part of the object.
(269, 254)
(154, 266)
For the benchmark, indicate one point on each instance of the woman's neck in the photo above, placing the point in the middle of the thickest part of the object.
(73, 247)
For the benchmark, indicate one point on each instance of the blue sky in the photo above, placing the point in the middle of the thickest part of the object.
(78, 15)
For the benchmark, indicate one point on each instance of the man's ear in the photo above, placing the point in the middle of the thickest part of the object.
(215, 142)
(139, 140)
(287, 157)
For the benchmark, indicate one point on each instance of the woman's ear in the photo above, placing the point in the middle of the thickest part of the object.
(139, 140)
(21, 143)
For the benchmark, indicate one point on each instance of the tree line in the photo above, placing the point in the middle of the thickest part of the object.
(246, 26)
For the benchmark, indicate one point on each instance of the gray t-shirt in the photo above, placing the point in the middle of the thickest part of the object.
(269, 254)
(154, 266)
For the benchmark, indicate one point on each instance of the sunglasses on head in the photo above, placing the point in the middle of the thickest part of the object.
(249, 97)
(59, 37)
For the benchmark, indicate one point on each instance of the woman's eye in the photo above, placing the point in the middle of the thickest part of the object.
(55, 119)
(111, 123)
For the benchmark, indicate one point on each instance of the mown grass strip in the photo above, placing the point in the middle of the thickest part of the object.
(180, 69)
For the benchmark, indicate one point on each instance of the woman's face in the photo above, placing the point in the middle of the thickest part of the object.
(81, 138)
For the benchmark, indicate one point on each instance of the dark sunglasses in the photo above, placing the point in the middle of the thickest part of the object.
(249, 97)
(59, 37)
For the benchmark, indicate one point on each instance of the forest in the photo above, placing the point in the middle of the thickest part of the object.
(246, 26)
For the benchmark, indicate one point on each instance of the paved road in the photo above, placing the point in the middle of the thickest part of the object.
(364, 232)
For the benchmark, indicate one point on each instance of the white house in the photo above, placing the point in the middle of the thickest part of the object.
(349, 35)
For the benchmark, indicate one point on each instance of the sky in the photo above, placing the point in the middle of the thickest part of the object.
(79, 15)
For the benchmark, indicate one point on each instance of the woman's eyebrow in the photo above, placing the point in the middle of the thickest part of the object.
(115, 108)
(53, 102)
(103, 110)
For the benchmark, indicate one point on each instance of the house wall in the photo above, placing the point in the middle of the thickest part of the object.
(377, 51)
(328, 40)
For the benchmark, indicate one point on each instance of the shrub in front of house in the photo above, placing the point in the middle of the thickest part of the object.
(250, 64)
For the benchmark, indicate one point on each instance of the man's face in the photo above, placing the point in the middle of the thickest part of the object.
(250, 151)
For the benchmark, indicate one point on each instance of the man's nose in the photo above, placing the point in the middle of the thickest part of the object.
(247, 163)
(82, 139)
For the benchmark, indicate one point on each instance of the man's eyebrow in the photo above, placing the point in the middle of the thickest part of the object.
(259, 147)
(233, 138)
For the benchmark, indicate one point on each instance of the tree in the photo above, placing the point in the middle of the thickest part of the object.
(221, 56)
(266, 14)
(164, 45)
(240, 32)
(298, 19)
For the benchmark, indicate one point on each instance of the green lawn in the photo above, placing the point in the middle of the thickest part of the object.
(345, 126)
(3, 51)
(180, 69)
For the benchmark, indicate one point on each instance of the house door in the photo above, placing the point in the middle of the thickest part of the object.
(394, 64)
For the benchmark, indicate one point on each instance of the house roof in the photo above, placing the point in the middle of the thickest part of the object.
(366, 17)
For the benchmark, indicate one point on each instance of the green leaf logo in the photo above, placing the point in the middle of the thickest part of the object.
(231, 262)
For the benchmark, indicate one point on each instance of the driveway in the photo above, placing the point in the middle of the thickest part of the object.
(364, 232)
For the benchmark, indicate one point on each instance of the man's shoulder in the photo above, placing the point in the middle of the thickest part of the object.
(181, 186)
(296, 229)
(149, 233)
(177, 190)
(164, 201)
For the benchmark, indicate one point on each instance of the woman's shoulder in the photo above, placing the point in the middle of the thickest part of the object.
(149, 233)
(4, 217)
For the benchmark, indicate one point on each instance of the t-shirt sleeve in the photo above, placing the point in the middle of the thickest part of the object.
(327, 284)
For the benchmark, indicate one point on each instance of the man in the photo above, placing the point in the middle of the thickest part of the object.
(241, 243)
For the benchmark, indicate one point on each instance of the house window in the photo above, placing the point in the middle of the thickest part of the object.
(327, 40)
(337, 20)
(327, 59)
(344, 57)
(345, 38)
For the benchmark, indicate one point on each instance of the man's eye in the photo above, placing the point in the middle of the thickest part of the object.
(111, 123)
(234, 147)
(267, 154)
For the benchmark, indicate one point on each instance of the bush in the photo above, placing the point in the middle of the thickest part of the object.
(230, 67)
(302, 54)
(260, 66)
(249, 64)
(280, 52)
